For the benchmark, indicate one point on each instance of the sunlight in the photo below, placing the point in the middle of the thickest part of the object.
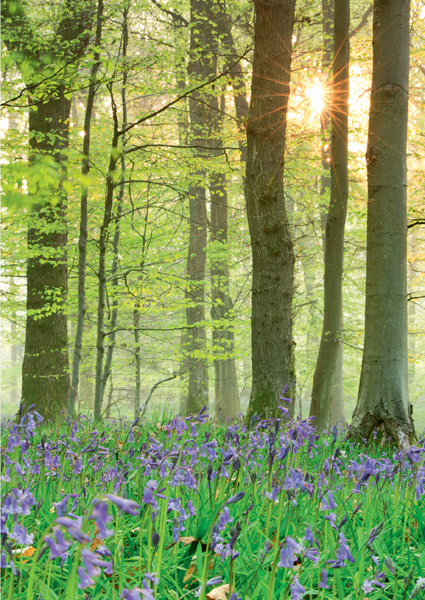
(316, 96)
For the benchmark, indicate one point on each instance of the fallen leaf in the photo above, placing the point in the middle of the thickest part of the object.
(95, 541)
(28, 551)
(187, 540)
(218, 593)
(191, 570)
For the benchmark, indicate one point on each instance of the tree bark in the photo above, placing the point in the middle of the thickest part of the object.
(45, 376)
(100, 336)
(227, 404)
(82, 241)
(383, 399)
(272, 248)
(202, 65)
(323, 380)
(116, 240)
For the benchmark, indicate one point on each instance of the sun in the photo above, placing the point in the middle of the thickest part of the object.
(316, 96)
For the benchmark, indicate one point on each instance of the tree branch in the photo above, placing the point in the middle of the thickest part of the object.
(363, 22)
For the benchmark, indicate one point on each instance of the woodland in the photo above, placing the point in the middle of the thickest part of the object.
(212, 300)
(206, 203)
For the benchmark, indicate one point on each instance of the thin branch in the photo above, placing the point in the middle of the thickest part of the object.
(171, 13)
(363, 22)
(170, 104)
(415, 223)
(152, 391)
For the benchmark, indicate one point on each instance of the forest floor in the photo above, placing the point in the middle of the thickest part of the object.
(188, 508)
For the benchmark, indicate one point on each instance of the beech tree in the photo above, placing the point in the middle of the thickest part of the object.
(272, 248)
(383, 400)
(330, 344)
(45, 375)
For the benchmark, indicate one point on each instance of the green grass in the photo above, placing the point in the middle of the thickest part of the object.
(383, 495)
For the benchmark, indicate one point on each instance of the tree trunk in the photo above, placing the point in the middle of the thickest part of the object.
(202, 65)
(82, 241)
(232, 63)
(45, 369)
(323, 380)
(413, 267)
(116, 240)
(383, 399)
(227, 404)
(103, 238)
(337, 411)
(272, 248)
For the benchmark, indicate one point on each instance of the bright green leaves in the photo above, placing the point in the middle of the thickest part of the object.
(41, 181)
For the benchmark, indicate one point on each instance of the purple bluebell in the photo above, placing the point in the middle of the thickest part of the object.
(420, 585)
(313, 555)
(126, 505)
(323, 583)
(273, 494)
(235, 498)
(73, 527)
(225, 518)
(389, 563)
(329, 504)
(21, 535)
(152, 578)
(344, 551)
(214, 581)
(309, 535)
(297, 590)
(99, 513)
(57, 549)
(375, 531)
(85, 580)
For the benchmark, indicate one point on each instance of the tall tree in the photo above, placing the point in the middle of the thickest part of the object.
(324, 375)
(272, 248)
(82, 240)
(227, 404)
(45, 370)
(202, 66)
(383, 399)
(337, 410)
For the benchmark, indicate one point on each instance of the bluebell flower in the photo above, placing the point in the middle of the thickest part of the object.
(151, 577)
(323, 583)
(99, 513)
(225, 518)
(214, 581)
(297, 590)
(313, 555)
(128, 506)
(21, 535)
(235, 498)
(57, 549)
(330, 504)
(273, 494)
(73, 527)
(309, 535)
(85, 580)
(389, 563)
